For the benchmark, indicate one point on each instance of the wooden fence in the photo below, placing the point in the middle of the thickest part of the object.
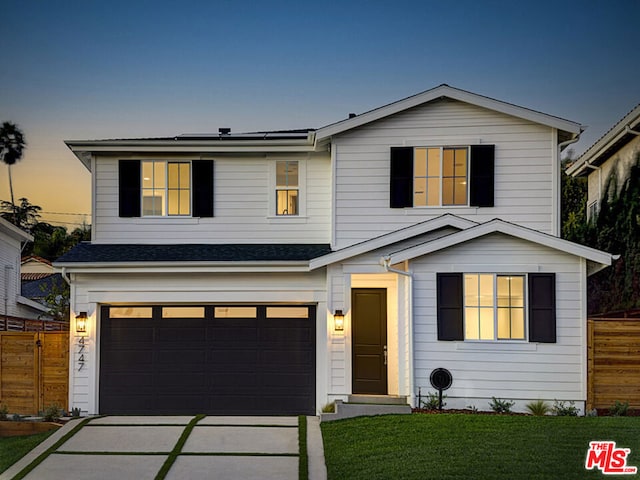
(34, 370)
(613, 362)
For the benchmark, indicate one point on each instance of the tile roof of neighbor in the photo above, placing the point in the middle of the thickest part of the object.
(86, 252)
(41, 287)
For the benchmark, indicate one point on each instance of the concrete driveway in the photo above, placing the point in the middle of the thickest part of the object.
(175, 448)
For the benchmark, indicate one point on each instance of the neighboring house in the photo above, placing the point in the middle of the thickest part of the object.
(34, 267)
(15, 307)
(39, 279)
(274, 272)
(615, 151)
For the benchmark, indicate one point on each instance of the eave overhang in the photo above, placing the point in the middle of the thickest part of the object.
(612, 141)
(596, 259)
(443, 221)
(567, 129)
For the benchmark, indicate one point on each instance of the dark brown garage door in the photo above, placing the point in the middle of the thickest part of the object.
(222, 360)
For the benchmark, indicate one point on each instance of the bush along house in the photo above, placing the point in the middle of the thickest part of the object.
(274, 272)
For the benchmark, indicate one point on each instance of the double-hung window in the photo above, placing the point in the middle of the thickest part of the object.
(494, 307)
(440, 176)
(287, 187)
(166, 188)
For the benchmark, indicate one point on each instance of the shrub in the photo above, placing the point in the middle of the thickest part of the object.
(329, 407)
(563, 410)
(52, 413)
(501, 406)
(432, 401)
(4, 411)
(539, 408)
(75, 412)
(619, 409)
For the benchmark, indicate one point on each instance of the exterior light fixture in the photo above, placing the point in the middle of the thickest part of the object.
(338, 321)
(81, 322)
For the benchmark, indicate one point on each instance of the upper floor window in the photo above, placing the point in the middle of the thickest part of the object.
(440, 176)
(494, 307)
(161, 188)
(592, 210)
(166, 188)
(287, 187)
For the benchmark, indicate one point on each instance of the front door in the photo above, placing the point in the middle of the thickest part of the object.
(369, 340)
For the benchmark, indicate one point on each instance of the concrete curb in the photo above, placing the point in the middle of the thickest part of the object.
(17, 467)
(315, 450)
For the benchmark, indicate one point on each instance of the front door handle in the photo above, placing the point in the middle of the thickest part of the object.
(385, 354)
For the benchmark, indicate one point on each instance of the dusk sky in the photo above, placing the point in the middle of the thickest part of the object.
(113, 69)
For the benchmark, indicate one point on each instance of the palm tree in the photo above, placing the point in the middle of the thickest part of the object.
(12, 145)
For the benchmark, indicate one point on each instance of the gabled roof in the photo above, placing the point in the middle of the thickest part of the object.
(597, 259)
(568, 128)
(14, 232)
(612, 141)
(88, 254)
(443, 221)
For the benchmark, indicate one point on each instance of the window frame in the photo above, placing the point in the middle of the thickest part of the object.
(495, 307)
(272, 214)
(167, 189)
(441, 175)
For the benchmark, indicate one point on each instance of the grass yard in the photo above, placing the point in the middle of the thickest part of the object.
(13, 449)
(457, 446)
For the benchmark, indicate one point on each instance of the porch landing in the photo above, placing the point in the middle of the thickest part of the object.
(365, 405)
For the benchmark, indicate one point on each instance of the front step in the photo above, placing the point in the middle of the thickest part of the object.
(378, 399)
(363, 409)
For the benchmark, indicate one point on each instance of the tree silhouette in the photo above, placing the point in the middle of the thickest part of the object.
(12, 145)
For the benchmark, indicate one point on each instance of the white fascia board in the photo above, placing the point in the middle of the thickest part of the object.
(499, 226)
(31, 303)
(455, 94)
(14, 232)
(446, 220)
(182, 267)
(593, 153)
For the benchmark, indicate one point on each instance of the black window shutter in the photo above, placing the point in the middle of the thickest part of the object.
(129, 188)
(481, 175)
(542, 307)
(449, 306)
(202, 181)
(401, 188)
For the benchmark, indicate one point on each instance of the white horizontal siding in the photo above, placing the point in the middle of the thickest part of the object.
(523, 177)
(519, 371)
(90, 291)
(242, 196)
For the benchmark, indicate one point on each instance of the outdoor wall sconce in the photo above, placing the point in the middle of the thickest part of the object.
(338, 321)
(81, 322)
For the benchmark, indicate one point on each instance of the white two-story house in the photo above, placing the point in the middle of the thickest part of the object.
(274, 272)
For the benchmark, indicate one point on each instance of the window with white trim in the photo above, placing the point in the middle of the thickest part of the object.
(287, 187)
(440, 176)
(494, 307)
(166, 188)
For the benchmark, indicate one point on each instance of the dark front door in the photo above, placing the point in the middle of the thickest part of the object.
(369, 339)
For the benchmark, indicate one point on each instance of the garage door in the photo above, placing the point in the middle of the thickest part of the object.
(221, 360)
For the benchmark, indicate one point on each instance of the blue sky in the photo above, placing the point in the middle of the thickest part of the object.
(113, 69)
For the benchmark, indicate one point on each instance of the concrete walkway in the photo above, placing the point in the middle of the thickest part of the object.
(212, 447)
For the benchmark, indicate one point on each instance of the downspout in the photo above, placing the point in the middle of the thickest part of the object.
(561, 146)
(65, 276)
(627, 129)
(385, 261)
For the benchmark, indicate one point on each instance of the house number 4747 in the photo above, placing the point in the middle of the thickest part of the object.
(81, 347)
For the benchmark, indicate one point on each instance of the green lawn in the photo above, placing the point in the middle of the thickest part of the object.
(456, 446)
(13, 449)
